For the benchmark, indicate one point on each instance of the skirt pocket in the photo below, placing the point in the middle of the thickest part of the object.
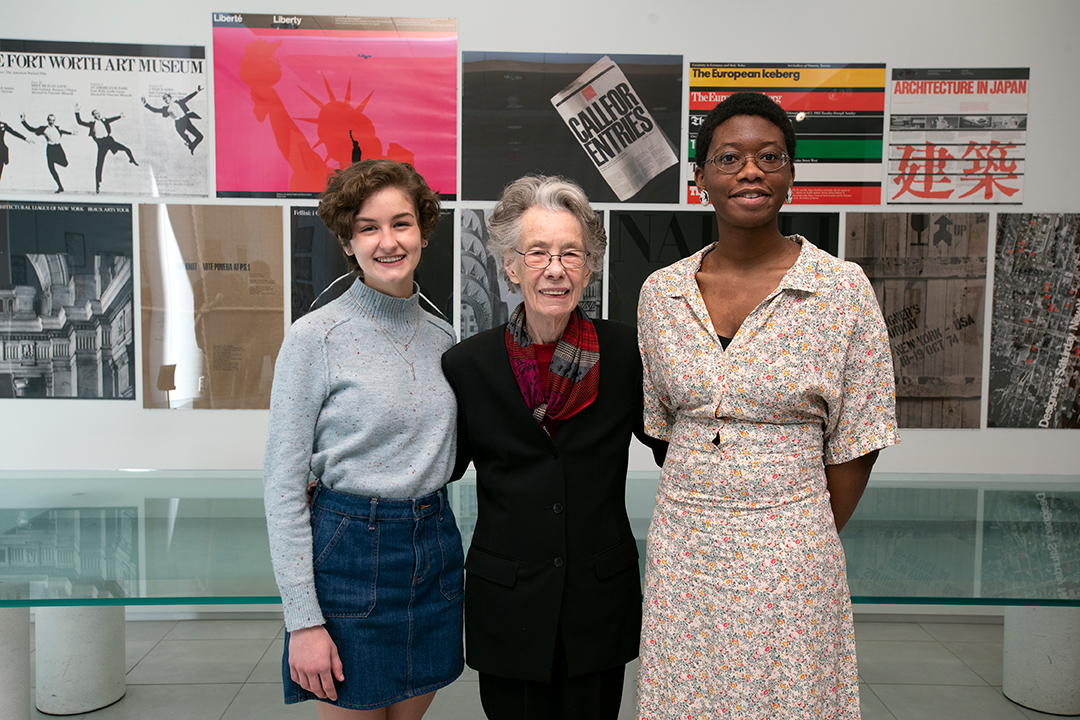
(346, 565)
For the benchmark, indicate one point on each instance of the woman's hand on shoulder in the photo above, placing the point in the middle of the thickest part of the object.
(313, 661)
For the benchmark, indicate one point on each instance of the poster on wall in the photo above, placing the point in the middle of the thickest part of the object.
(67, 326)
(838, 111)
(606, 121)
(213, 304)
(298, 97)
(102, 118)
(614, 128)
(487, 300)
(929, 275)
(1035, 333)
(320, 272)
(644, 241)
(957, 135)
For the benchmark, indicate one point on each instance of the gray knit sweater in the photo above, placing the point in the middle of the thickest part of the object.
(345, 407)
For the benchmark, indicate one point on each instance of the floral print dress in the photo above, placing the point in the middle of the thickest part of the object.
(747, 612)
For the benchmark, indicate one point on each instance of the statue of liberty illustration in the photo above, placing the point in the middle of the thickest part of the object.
(339, 125)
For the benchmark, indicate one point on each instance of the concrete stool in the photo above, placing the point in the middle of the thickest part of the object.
(15, 663)
(1042, 658)
(80, 658)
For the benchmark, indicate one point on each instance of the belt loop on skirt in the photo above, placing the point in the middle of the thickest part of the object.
(442, 502)
(371, 514)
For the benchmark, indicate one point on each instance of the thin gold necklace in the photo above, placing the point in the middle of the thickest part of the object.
(394, 343)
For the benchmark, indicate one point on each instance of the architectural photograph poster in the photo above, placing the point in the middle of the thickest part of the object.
(299, 96)
(213, 305)
(66, 311)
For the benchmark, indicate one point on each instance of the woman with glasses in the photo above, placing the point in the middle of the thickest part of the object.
(546, 408)
(767, 368)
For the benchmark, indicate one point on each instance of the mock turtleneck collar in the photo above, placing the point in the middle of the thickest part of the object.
(386, 308)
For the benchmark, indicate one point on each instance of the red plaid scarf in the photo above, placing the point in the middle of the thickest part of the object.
(574, 374)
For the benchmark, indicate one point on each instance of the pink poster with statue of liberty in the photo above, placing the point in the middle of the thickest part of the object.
(297, 97)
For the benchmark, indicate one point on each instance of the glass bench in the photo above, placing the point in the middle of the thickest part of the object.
(86, 541)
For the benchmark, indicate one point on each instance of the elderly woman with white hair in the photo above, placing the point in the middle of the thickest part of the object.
(546, 409)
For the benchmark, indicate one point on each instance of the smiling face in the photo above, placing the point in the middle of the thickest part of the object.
(748, 198)
(550, 293)
(386, 242)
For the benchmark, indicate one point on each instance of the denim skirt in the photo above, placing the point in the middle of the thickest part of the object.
(389, 578)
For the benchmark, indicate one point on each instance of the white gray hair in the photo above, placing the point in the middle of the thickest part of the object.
(549, 192)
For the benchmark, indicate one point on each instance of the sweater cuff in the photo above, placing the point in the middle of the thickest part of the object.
(301, 607)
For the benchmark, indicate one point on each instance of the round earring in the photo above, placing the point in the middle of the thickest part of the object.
(789, 196)
(703, 195)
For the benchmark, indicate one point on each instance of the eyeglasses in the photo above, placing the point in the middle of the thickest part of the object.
(731, 163)
(571, 259)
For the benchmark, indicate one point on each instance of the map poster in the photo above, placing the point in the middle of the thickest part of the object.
(102, 118)
(838, 111)
(958, 135)
(929, 275)
(510, 126)
(299, 96)
(643, 241)
(320, 272)
(67, 315)
(213, 304)
(1035, 334)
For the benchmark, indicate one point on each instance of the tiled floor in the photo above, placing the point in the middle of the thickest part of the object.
(229, 670)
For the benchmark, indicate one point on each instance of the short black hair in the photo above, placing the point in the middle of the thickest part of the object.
(743, 103)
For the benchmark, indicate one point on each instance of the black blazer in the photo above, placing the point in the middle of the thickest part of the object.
(553, 549)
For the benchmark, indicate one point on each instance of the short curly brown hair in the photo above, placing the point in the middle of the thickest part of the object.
(347, 190)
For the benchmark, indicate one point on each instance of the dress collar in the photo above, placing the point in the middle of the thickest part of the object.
(805, 275)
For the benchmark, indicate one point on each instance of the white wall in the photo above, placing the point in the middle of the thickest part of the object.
(1041, 35)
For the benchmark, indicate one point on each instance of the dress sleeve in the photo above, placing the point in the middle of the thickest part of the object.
(658, 417)
(863, 417)
(299, 390)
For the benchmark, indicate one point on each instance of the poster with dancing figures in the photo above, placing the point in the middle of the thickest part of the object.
(103, 119)
(298, 97)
